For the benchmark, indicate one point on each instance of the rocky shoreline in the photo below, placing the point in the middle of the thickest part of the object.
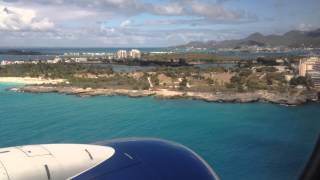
(297, 98)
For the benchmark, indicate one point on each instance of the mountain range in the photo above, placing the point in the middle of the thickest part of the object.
(291, 39)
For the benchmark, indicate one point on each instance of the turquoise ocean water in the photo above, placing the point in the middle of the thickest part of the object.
(241, 141)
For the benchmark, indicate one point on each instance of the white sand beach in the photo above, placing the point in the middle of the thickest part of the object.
(30, 80)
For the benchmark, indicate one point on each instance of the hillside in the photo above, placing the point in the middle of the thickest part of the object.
(292, 39)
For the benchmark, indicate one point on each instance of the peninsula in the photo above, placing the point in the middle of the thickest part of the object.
(250, 81)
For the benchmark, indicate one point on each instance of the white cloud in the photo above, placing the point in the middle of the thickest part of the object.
(169, 9)
(203, 8)
(214, 11)
(125, 23)
(95, 22)
(64, 13)
(21, 19)
(305, 27)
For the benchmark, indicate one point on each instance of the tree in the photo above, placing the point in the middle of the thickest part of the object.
(267, 62)
(183, 83)
(155, 79)
(269, 79)
(300, 80)
(235, 80)
(245, 72)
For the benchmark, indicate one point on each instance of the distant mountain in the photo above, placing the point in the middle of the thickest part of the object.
(292, 39)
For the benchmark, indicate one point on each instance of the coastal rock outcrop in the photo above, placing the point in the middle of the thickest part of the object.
(234, 97)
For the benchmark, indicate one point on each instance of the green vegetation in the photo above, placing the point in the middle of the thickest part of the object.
(177, 72)
(245, 72)
(77, 75)
(266, 69)
(115, 81)
(155, 80)
(267, 61)
(211, 79)
(246, 80)
(186, 57)
(300, 80)
(183, 83)
(51, 70)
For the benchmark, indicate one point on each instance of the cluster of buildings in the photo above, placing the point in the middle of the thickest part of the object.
(311, 67)
(76, 57)
(119, 55)
(133, 54)
(4, 62)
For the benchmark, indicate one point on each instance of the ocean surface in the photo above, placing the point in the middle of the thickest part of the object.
(50, 53)
(257, 141)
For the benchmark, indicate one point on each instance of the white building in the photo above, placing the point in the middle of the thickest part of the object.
(110, 56)
(310, 66)
(288, 77)
(55, 60)
(281, 68)
(280, 61)
(122, 54)
(72, 54)
(135, 54)
(80, 59)
(3, 63)
(34, 62)
(18, 62)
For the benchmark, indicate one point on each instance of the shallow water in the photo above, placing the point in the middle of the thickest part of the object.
(241, 141)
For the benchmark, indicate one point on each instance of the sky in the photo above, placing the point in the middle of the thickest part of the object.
(147, 23)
